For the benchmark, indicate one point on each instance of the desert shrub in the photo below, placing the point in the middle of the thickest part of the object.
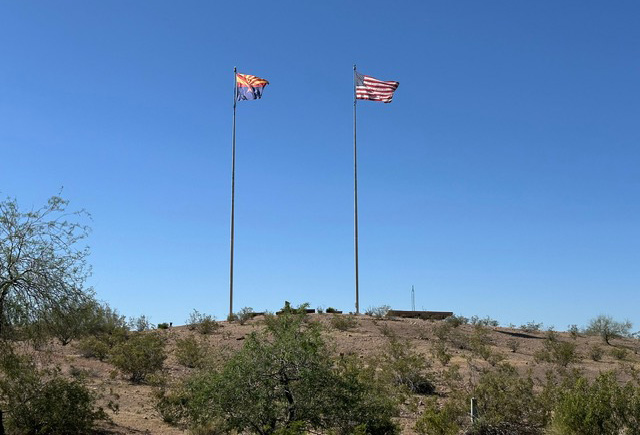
(504, 398)
(456, 321)
(596, 353)
(513, 344)
(283, 381)
(405, 367)
(386, 330)
(43, 402)
(140, 324)
(487, 321)
(190, 353)
(607, 328)
(331, 310)
(479, 344)
(139, 356)
(320, 310)
(556, 351)
(574, 331)
(531, 326)
(602, 407)
(244, 315)
(163, 325)
(343, 322)
(378, 312)
(93, 347)
(442, 330)
(439, 352)
(204, 323)
(445, 420)
(619, 353)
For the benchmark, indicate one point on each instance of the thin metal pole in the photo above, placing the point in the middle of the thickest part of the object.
(355, 189)
(233, 188)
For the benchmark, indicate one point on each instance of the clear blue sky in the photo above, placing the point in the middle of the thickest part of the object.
(503, 179)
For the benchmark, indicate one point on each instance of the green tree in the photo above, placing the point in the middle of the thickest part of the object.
(608, 328)
(42, 267)
(284, 380)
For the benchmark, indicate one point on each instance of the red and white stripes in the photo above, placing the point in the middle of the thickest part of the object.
(369, 88)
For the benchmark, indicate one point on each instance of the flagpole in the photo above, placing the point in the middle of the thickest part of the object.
(233, 188)
(355, 190)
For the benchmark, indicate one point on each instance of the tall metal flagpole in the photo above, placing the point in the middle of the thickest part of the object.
(355, 190)
(233, 187)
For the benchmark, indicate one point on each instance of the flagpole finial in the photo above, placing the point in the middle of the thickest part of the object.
(235, 70)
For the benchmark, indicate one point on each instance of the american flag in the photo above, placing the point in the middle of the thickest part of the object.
(368, 88)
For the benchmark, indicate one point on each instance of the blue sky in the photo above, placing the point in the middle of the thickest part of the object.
(503, 179)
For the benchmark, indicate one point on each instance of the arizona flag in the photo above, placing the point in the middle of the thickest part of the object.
(249, 87)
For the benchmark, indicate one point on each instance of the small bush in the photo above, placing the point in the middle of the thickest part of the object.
(619, 353)
(439, 352)
(244, 315)
(190, 353)
(443, 330)
(574, 331)
(513, 344)
(343, 323)
(93, 347)
(204, 323)
(445, 420)
(378, 312)
(487, 321)
(406, 367)
(456, 321)
(140, 356)
(331, 310)
(140, 324)
(557, 352)
(531, 326)
(163, 325)
(596, 353)
(506, 399)
(602, 407)
(43, 402)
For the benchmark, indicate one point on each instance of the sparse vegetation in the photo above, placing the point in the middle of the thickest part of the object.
(557, 352)
(619, 353)
(596, 353)
(456, 321)
(203, 323)
(140, 324)
(244, 315)
(487, 321)
(531, 326)
(378, 312)
(343, 322)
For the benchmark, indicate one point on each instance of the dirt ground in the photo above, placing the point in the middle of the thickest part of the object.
(137, 414)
